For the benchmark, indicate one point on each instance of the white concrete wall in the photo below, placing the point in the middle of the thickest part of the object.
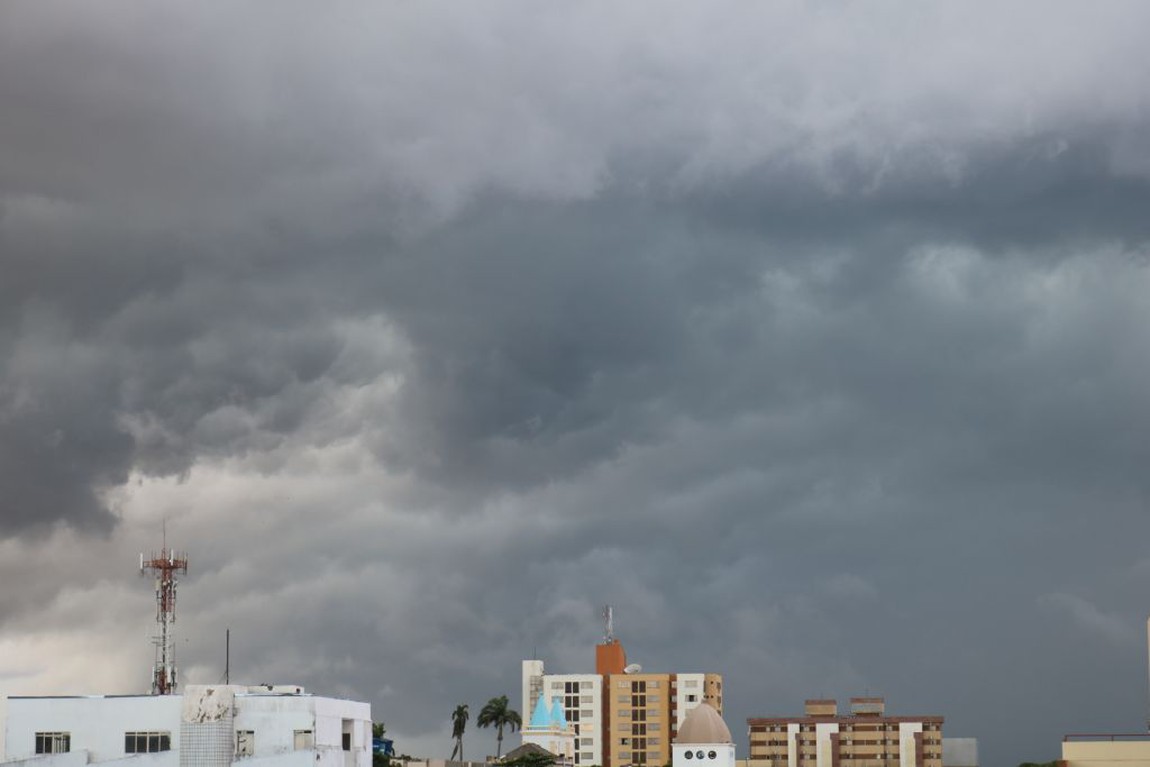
(724, 755)
(906, 750)
(331, 714)
(687, 685)
(293, 759)
(162, 759)
(792, 750)
(531, 684)
(97, 724)
(823, 732)
(70, 759)
(275, 719)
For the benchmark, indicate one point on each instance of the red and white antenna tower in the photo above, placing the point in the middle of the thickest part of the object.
(165, 566)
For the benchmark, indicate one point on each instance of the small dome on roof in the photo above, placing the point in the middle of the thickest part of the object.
(702, 724)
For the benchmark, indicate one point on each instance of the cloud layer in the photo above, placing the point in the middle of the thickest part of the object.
(428, 329)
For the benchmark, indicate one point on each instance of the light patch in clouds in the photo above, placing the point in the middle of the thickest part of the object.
(1086, 616)
(849, 586)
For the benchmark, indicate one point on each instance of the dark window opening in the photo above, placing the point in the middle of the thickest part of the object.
(53, 742)
(147, 742)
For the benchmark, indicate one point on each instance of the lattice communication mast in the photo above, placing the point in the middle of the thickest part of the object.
(165, 566)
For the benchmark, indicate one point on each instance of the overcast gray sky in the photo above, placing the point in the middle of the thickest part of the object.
(814, 336)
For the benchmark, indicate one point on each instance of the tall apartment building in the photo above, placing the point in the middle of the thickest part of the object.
(866, 737)
(622, 716)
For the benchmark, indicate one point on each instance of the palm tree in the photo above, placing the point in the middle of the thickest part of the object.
(458, 725)
(496, 714)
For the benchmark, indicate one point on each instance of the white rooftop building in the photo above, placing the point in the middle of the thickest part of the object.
(704, 740)
(205, 726)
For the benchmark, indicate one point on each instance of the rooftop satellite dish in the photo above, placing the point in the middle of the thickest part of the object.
(634, 668)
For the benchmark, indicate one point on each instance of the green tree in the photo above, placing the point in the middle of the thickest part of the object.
(498, 714)
(458, 724)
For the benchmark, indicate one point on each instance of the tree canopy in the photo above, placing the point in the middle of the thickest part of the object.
(498, 713)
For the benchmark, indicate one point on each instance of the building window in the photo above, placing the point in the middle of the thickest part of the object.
(587, 756)
(585, 714)
(147, 742)
(53, 742)
(347, 726)
(303, 740)
(586, 699)
(692, 698)
(245, 743)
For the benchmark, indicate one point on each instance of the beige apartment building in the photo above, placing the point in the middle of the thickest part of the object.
(622, 716)
(1126, 750)
(865, 737)
(645, 711)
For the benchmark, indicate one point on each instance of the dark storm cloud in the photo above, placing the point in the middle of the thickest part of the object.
(462, 321)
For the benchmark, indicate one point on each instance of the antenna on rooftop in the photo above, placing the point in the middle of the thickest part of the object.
(609, 625)
(165, 566)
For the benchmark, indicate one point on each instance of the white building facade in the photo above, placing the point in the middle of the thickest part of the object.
(206, 726)
(548, 729)
(581, 699)
(704, 740)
